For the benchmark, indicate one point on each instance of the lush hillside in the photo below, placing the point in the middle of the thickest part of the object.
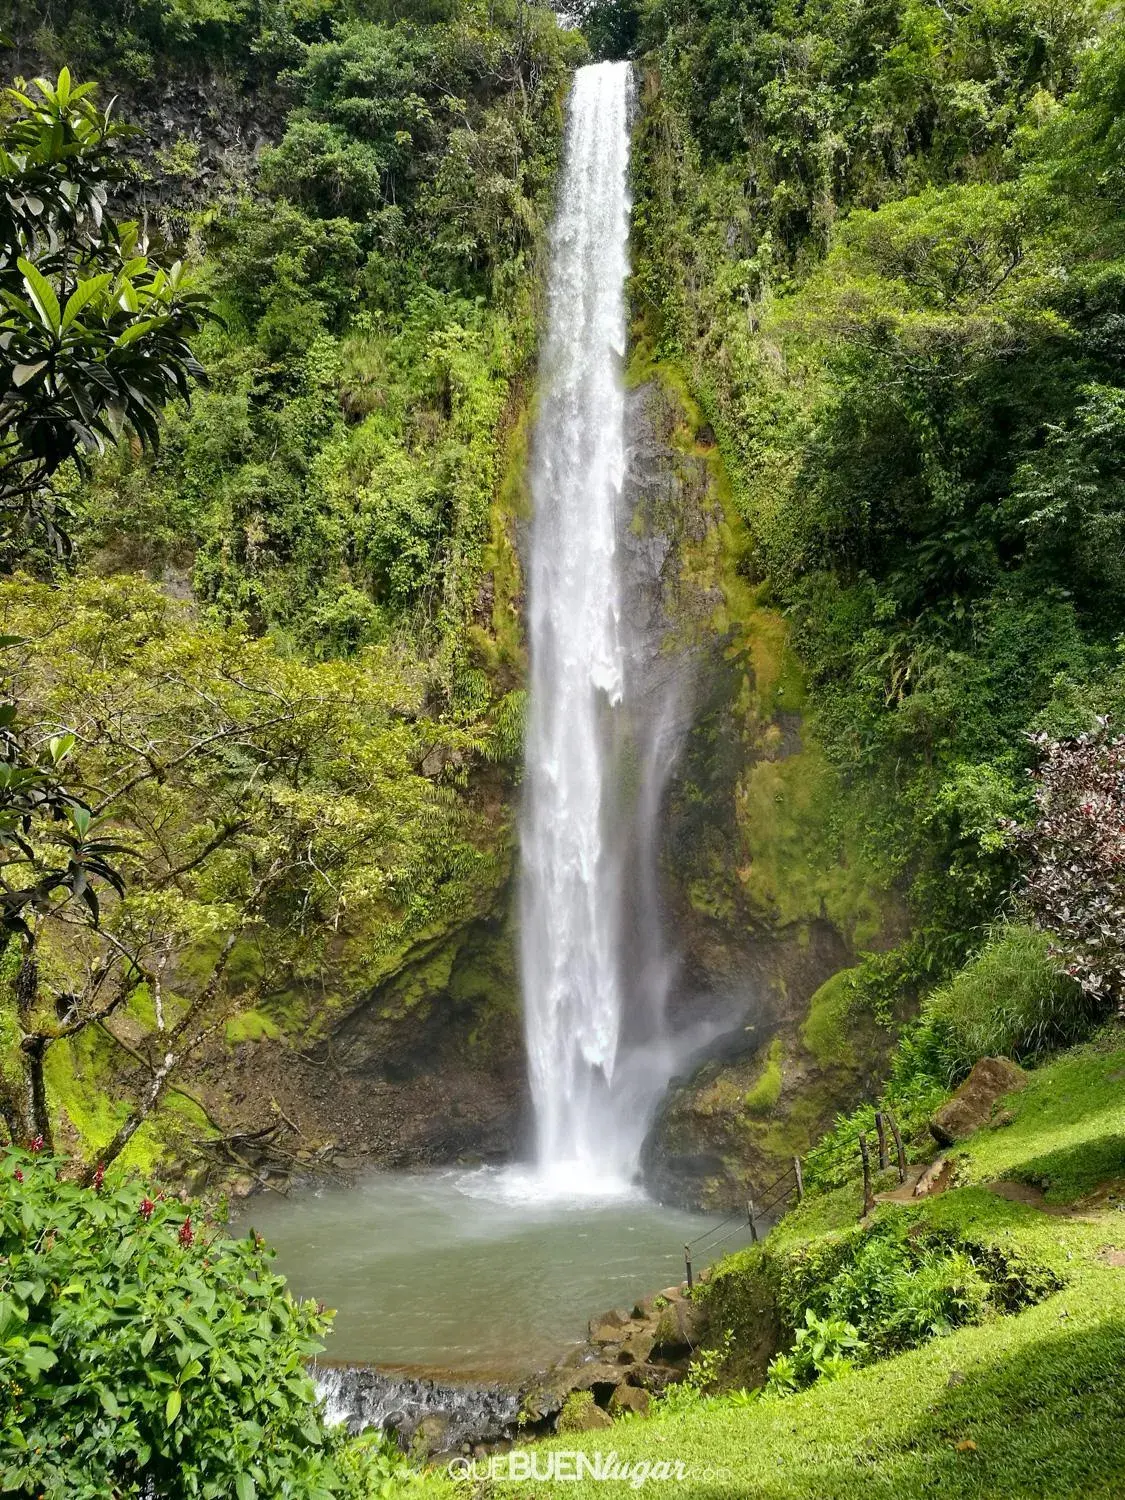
(359, 195)
(1012, 1299)
(263, 670)
(884, 246)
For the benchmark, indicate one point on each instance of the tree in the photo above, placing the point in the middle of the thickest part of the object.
(266, 814)
(93, 330)
(93, 343)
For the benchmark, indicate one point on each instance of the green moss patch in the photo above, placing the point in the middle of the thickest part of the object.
(766, 1091)
(252, 1026)
(825, 1031)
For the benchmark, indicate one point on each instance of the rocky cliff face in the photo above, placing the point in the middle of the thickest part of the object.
(765, 886)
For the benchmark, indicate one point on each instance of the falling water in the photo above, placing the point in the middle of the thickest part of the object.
(572, 892)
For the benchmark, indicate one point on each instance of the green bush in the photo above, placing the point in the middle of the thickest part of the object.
(1010, 1000)
(824, 1348)
(142, 1354)
(873, 1292)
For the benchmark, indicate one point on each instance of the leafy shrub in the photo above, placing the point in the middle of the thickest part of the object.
(874, 1292)
(1010, 1000)
(702, 1374)
(1075, 886)
(141, 1355)
(824, 1348)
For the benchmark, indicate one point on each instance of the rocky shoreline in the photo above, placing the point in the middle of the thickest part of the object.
(629, 1356)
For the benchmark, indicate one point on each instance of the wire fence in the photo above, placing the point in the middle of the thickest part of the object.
(888, 1143)
(774, 1194)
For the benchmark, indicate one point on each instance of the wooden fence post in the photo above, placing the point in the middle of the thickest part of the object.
(898, 1148)
(800, 1179)
(868, 1198)
(881, 1128)
(687, 1266)
(750, 1220)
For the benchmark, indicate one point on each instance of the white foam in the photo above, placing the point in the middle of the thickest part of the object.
(563, 1185)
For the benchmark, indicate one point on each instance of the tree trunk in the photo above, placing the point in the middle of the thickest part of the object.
(33, 1047)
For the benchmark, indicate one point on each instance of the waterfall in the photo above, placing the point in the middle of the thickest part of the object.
(573, 837)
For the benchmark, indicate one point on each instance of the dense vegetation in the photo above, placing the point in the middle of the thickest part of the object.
(361, 305)
(251, 717)
(963, 1345)
(249, 457)
(886, 243)
(376, 282)
(140, 1349)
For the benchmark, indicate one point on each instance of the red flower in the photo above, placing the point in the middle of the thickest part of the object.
(147, 1206)
(37, 1144)
(187, 1234)
(99, 1177)
(19, 1175)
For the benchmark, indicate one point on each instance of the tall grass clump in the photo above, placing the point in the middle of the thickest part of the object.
(1012, 1000)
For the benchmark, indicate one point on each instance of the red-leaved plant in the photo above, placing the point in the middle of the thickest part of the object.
(1074, 886)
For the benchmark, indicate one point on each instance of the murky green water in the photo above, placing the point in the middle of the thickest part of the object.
(474, 1272)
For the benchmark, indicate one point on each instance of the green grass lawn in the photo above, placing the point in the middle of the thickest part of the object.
(1068, 1129)
(1025, 1405)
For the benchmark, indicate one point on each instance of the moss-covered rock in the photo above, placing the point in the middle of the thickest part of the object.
(768, 886)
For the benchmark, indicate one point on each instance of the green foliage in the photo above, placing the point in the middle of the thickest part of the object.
(574, 1409)
(48, 836)
(864, 233)
(378, 285)
(873, 1292)
(915, 1090)
(766, 1090)
(93, 332)
(141, 1351)
(272, 814)
(330, 494)
(1036, 1390)
(1011, 1000)
(1067, 1131)
(700, 1380)
(824, 1349)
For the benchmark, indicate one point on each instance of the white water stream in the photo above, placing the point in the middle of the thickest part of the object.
(593, 968)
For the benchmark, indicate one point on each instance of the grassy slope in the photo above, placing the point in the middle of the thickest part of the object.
(1042, 1400)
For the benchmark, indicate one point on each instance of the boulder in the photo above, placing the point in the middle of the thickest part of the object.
(630, 1398)
(431, 1435)
(607, 1329)
(636, 1348)
(972, 1105)
(645, 1309)
(581, 1413)
(599, 1378)
(679, 1330)
(652, 1378)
